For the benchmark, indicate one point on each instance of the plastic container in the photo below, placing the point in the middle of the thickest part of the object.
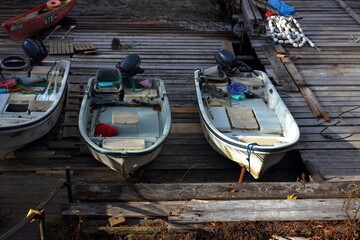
(237, 90)
(238, 97)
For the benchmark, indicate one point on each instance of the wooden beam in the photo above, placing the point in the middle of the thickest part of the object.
(210, 191)
(186, 128)
(348, 9)
(127, 209)
(313, 103)
(280, 69)
(184, 110)
(314, 172)
(268, 210)
(228, 45)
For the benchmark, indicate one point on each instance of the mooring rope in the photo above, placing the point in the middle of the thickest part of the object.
(249, 150)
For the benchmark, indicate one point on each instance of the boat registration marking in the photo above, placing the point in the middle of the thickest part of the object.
(51, 18)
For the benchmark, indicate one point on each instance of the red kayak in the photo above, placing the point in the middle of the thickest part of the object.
(37, 19)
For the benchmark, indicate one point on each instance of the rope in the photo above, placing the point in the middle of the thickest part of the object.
(286, 30)
(249, 150)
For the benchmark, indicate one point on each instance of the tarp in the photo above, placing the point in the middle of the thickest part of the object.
(282, 7)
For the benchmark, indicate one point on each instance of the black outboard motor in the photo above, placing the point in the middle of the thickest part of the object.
(130, 65)
(35, 50)
(225, 58)
(229, 63)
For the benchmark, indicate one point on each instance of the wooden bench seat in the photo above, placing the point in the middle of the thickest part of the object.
(266, 118)
(147, 93)
(39, 106)
(123, 144)
(262, 140)
(242, 118)
(18, 98)
(125, 118)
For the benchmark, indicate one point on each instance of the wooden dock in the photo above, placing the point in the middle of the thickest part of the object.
(329, 149)
(324, 165)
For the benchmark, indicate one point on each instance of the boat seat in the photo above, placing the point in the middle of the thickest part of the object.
(219, 119)
(107, 81)
(130, 119)
(262, 140)
(39, 106)
(123, 144)
(242, 118)
(250, 82)
(266, 118)
(125, 118)
(18, 98)
(147, 93)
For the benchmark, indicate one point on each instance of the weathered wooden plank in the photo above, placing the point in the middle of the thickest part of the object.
(268, 210)
(308, 95)
(349, 10)
(186, 128)
(128, 209)
(280, 70)
(209, 191)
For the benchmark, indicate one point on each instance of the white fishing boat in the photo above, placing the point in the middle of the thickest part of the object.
(31, 98)
(124, 121)
(243, 117)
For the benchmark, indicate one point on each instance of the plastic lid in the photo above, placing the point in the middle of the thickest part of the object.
(237, 88)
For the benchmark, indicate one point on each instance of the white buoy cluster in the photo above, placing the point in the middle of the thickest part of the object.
(287, 30)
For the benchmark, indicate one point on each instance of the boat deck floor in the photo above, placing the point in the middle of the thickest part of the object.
(147, 124)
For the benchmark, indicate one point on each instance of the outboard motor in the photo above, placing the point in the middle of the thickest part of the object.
(35, 50)
(130, 65)
(229, 63)
(225, 58)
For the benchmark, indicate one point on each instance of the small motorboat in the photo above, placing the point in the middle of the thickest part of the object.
(242, 115)
(31, 96)
(124, 121)
(38, 19)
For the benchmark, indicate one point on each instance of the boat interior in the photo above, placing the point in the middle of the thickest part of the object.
(28, 93)
(134, 111)
(255, 116)
(39, 10)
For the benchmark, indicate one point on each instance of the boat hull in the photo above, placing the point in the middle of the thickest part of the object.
(259, 163)
(18, 137)
(126, 161)
(125, 164)
(19, 28)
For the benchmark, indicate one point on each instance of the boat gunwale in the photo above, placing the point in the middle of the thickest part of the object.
(234, 143)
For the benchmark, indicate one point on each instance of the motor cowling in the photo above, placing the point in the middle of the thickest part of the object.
(225, 58)
(130, 65)
(35, 50)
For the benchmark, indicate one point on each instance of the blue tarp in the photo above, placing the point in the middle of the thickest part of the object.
(282, 7)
